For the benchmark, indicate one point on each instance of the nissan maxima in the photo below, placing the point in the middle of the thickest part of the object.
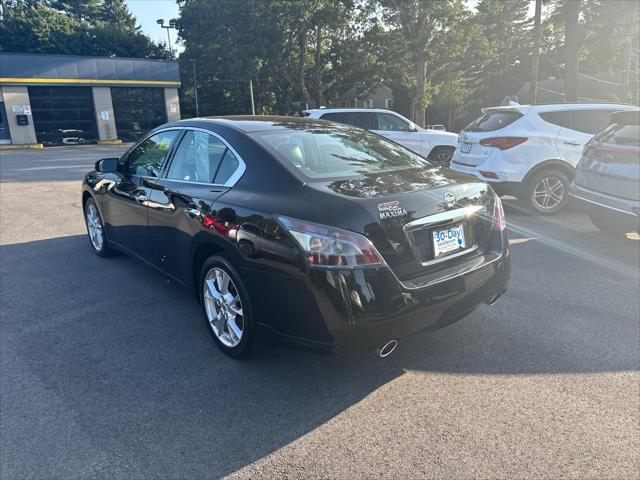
(317, 233)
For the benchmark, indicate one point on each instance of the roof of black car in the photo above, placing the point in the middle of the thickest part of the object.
(257, 123)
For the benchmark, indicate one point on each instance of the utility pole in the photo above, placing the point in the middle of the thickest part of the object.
(571, 47)
(195, 85)
(253, 107)
(533, 87)
(627, 72)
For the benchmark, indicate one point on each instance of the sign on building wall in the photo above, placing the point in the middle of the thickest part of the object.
(173, 108)
(105, 115)
(26, 109)
(16, 108)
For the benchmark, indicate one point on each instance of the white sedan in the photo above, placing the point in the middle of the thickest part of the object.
(436, 145)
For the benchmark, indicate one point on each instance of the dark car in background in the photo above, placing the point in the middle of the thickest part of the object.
(607, 180)
(321, 234)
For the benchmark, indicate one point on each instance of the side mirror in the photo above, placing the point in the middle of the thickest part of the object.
(107, 165)
(412, 127)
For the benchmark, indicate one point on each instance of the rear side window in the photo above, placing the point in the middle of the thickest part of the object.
(492, 121)
(560, 119)
(590, 121)
(366, 120)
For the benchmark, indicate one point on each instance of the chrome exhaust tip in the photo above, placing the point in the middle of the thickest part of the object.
(387, 349)
(494, 299)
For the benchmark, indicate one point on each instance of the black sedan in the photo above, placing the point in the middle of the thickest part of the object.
(320, 234)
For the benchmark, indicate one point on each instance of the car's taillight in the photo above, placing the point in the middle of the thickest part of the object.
(326, 246)
(503, 143)
(498, 221)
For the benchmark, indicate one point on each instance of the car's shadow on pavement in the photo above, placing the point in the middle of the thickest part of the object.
(127, 357)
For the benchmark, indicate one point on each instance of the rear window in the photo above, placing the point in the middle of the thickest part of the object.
(493, 120)
(590, 121)
(339, 152)
(621, 135)
(560, 119)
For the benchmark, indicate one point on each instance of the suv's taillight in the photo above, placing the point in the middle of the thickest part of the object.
(498, 221)
(326, 246)
(502, 143)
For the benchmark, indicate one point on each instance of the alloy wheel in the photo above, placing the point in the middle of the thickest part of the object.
(94, 225)
(548, 193)
(224, 307)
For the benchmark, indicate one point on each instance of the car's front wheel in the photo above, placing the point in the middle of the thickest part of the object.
(95, 229)
(546, 191)
(227, 309)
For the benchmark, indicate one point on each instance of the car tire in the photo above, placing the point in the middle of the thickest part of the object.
(547, 191)
(95, 230)
(227, 309)
(441, 156)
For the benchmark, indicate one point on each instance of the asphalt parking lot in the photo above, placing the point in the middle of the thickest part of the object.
(107, 369)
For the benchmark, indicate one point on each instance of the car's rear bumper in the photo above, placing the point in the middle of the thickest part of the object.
(505, 171)
(356, 311)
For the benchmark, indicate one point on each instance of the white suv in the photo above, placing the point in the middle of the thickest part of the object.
(437, 146)
(531, 151)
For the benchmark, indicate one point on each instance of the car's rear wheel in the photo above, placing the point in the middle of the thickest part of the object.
(546, 191)
(227, 309)
(95, 229)
(441, 156)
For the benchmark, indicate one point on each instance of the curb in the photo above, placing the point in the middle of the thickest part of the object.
(21, 147)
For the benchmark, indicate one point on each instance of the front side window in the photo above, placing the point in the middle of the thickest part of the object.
(388, 122)
(148, 158)
(322, 153)
(202, 158)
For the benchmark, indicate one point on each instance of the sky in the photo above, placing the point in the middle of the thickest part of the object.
(148, 11)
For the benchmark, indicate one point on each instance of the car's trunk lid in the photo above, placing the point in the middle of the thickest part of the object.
(393, 211)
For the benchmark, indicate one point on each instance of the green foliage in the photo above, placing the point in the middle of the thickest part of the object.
(76, 27)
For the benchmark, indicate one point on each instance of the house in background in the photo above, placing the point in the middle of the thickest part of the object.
(380, 96)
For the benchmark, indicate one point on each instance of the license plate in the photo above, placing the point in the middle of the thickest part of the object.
(448, 240)
(465, 147)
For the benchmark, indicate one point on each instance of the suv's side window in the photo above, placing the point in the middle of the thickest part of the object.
(561, 118)
(590, 121)
(148, 157)
(366, 120)
(389, 122)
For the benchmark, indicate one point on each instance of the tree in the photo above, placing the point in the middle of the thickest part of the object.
(93, 27)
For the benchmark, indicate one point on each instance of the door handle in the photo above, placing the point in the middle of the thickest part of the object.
(141, 197)
(571, 142)
(192, 212)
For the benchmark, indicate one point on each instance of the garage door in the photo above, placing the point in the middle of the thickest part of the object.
(137, 110)
(63, 115)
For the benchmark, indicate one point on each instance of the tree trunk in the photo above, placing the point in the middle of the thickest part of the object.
(571, 47)
(318, 68)
(419, 95)
(302, 44)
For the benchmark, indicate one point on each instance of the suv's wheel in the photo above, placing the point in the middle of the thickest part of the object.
(226, 308)
(441, 156)
(546, 191)
(95, 229)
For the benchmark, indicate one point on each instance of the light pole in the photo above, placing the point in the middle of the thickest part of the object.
(172, 24)
(195, 85)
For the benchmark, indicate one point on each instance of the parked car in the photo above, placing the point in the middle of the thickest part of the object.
(531, 151)
(319, 233)
(607, 181)
(434, 145)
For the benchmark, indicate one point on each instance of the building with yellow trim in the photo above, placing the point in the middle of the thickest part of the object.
(67, 99)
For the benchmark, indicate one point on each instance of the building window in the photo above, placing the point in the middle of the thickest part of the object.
(388, 103)
(368, 103)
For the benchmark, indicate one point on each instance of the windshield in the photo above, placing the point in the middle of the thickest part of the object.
(319, 152)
